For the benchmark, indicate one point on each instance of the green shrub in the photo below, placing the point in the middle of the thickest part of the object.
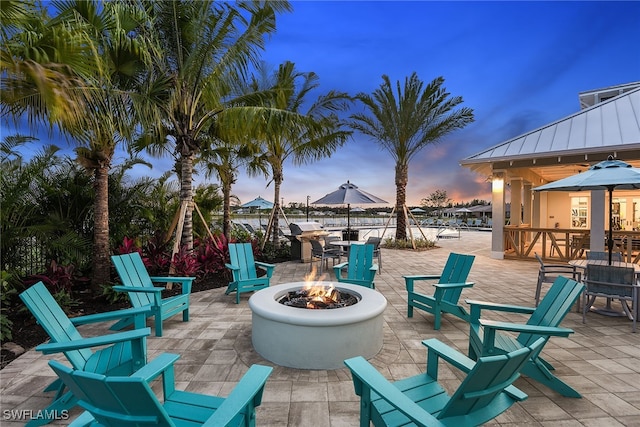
(392, 243)
(5, 296)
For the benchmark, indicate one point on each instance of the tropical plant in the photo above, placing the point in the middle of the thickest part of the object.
(208, 201)
(90, 56)
(311, 130)
(223, 159)
(212, 254)
(205, 47)
(403, 126)
(7, 291)
(45, 212)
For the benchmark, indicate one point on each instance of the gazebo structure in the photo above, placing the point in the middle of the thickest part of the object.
(564, 223)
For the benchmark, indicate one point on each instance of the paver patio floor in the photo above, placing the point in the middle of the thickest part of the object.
(601, 359)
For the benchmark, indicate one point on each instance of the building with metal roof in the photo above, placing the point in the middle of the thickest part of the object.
(607, 124)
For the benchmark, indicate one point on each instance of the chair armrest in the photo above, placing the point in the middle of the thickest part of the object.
(408, 280)
(156, 367)
(422, 277)
(171, 279)
(232, 267)
(437, 348)
(149, 290)
(49, 348)
(265, 265)
(246, 395)
(530, 329)
(374, 267)
(562, 266)
(110, 315)
(454, 285)
(366, 378)
(340, 266)
(500, 307)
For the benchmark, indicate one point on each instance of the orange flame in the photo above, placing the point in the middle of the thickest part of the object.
(317, 291)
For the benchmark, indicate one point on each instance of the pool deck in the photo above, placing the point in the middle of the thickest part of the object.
(601, 359)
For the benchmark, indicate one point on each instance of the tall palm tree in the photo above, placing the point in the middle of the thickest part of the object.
(419, 116)
(77, 76)
(114, 28)
(205, 48)
(310, 131)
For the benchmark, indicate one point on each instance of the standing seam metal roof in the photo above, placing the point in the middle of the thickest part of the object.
(609, 124)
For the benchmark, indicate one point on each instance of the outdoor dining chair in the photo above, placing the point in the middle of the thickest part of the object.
(324, 254)
(611, 282)
(604, 255)
(548, 273)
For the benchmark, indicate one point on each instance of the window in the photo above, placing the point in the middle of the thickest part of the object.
(579, 212)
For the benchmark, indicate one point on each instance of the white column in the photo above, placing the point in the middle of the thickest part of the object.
(599, 211)
(497, 214)
(526, 203)
(516, 202)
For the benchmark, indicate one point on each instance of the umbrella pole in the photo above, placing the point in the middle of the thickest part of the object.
(348, 221)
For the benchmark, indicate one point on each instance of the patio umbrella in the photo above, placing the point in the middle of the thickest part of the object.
(607, 175)
(348, 194)
(417, 210)
(464, 211)
(259, 203)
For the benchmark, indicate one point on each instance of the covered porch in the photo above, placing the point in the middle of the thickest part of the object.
(562, 223)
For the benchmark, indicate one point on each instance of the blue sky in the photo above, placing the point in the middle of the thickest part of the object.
(518, 65)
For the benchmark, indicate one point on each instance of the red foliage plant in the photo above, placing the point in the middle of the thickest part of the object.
(185, 263)
(212, 254)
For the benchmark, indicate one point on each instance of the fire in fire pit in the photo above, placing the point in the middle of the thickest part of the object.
(317, 297)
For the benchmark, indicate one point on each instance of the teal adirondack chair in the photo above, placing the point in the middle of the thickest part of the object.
(118, 353)
(360, 267)
(143, 293)
(485, 393)
(243, 268)
(485, 337)
(450, 284)
(129, 401)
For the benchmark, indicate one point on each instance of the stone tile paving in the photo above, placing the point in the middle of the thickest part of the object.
(601, 359)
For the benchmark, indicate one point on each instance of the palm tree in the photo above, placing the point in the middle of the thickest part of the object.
(295, 128)
(205, 48)
(43, 64)
(420, 116)
(223, 159)
(78, 78)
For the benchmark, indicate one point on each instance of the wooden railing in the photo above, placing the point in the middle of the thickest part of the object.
(564, 244)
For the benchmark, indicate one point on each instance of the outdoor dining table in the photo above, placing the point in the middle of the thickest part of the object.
(345, 245)
(608, 311)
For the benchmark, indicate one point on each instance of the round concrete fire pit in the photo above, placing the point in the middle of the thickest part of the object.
(316, 339)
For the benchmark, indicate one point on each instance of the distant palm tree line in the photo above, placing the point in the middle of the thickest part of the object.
(185, 79)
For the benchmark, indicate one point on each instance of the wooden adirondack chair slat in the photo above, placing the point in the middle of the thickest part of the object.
(119, 353)
(448, 289)
(485, 392)
(129, 401)
(360, 267)
(244, 270)
(543, 323)
(143, 293)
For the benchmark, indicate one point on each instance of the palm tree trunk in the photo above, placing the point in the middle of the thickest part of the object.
(402, 177)
(226, 208)
(101, 263)
(186, 195)
(277, 183)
